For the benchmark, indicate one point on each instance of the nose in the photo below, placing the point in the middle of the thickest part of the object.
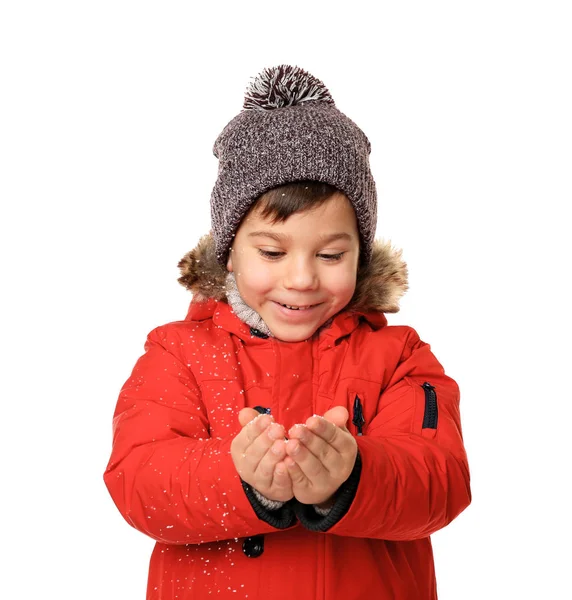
(301, 275)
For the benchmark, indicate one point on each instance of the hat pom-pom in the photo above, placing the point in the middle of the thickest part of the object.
(284, 85)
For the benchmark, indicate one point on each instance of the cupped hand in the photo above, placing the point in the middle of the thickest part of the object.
(258, 451)
(321, 454)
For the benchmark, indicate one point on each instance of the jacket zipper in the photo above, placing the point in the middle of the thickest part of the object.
(431, 411)
(358, 418)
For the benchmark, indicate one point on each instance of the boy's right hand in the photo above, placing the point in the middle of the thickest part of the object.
(256, 452)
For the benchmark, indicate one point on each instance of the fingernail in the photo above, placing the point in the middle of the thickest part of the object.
(297, 427)
(255, 420)
(315, 423)
(275, 433)
(264, 422)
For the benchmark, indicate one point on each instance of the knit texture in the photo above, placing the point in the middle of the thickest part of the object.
(241, 309)
(281, 518)
(270, 504)
(272, 142)
(322, 511)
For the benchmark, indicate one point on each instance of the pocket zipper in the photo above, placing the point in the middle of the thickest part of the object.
(358, 418)
(431, 411)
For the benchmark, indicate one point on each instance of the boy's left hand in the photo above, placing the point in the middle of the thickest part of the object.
(321, 456)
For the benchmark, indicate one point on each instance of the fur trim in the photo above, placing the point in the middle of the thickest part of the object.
(202, 273)
(380, 284)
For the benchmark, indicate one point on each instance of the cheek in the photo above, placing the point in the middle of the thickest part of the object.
(256, 279)
(341, 283)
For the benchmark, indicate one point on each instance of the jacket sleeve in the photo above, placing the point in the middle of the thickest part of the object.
(412, 471)
(167, 476)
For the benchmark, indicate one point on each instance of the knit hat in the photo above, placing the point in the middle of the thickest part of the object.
(289, 130)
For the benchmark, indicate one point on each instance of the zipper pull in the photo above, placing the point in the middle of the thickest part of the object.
(430, 416)
(358, 419)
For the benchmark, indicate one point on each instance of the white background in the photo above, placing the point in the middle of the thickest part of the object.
(109, 111)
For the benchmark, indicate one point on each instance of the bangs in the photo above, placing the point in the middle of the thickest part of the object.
(281, 202)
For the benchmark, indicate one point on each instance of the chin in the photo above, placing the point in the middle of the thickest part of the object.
(290, 336)
(293, 333)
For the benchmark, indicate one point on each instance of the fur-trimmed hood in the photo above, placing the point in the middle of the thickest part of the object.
(380, 284)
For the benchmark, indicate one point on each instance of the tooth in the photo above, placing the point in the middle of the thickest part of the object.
(297, 307)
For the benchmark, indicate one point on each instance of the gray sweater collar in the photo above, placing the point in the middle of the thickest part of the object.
(241, 309)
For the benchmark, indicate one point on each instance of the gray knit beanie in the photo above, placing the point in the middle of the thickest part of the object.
(289, 130)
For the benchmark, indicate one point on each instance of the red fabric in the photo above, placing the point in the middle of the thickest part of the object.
(172, 477)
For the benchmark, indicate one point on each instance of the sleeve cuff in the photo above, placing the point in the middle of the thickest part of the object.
(281, 517)
(322, 511)
(266, 502)
(312, 520)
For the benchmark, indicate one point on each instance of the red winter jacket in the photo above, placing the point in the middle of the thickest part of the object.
(172, 477)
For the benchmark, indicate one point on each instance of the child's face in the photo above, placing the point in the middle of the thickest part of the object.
(298, 263)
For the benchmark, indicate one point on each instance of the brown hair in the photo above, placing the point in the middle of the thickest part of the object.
(281, 202)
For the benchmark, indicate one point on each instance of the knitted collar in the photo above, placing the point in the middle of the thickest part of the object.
(241, 309)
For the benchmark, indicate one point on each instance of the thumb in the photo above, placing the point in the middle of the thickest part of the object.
(246, 415)
(338, 416)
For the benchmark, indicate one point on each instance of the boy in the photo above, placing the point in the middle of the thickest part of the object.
(347, 453)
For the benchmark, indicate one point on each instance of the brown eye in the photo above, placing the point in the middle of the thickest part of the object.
(270, 255)
(332, 257)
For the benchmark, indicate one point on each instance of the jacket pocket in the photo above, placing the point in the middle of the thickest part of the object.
(357, 412)
(430, 411)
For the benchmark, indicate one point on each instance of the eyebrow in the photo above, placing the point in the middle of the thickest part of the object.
(282, 237)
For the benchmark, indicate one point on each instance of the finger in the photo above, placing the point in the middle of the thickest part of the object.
(250, 432)
(311, 466)
(295, 473)
(264, 473)
(282, 479)
(338, 415)
(262, 444)
(329, 432)
(246, 415)
(256, 426)
(322, 450)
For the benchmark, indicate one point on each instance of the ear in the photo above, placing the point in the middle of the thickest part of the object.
(229, 262)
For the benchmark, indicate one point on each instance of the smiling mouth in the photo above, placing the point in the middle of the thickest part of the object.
(297, 307)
